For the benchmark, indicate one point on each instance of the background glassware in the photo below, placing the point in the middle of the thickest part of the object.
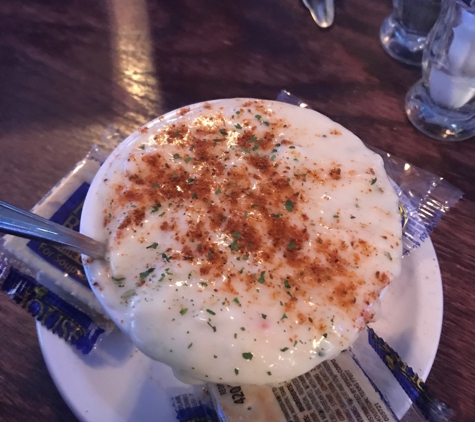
(403, 33)
(442, 103)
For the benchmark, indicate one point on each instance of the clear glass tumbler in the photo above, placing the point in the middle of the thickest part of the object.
(442, 103)
(404, 32)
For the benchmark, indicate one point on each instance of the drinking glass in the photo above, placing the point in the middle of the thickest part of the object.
(403, 33)
(442, 103)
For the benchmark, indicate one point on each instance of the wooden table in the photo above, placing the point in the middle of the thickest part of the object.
(71, 70)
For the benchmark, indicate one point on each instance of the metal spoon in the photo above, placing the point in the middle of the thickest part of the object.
(31, 226)
(322, 11)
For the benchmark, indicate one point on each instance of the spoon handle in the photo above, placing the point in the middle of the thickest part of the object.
(31, 226)
(322, 11)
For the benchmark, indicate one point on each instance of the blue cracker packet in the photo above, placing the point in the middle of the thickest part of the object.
(189, 408)
(58, 316)
(49, 280)
(423, 402)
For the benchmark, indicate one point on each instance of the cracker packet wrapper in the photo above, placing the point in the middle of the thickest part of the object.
(49, 281)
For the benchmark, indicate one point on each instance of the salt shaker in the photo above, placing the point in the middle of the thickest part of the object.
(442, 103)
(403, 33)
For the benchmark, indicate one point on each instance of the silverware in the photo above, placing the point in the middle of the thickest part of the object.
(322, 11)
(31, 226)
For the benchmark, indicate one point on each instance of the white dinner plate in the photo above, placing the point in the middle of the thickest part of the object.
(117, 383)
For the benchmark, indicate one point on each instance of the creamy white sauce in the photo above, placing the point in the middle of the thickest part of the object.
(249, 240)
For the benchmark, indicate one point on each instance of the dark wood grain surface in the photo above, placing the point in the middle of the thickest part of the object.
(71, 70)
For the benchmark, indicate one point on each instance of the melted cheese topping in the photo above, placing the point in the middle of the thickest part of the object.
(249, 240)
